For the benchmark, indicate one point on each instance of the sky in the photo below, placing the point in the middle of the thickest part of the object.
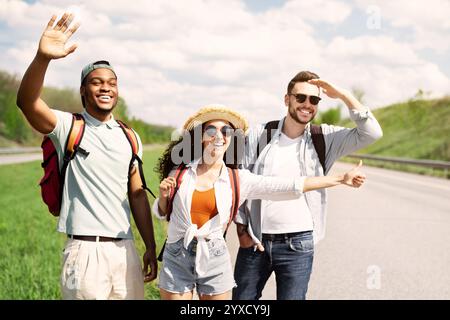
(173, 57)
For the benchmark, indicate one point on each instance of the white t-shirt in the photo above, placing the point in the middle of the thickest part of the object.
(289, 215)
(95, 200)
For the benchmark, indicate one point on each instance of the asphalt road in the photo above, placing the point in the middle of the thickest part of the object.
(390, 239)
(19, 158)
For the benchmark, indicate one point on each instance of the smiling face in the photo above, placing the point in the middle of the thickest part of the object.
(214, 141)
(100, 92)
(304, 112)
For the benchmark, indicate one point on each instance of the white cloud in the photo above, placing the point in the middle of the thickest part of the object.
(318, 11)
(381, 49)
(428, 20)
(173, 57)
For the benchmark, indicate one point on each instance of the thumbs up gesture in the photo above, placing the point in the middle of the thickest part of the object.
(355, 178)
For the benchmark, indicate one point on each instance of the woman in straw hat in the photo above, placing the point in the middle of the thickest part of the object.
(195, 254)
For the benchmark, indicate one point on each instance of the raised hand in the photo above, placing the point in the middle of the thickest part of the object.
(53, 41)
(166, 186)
(329, 89)
(355, 178)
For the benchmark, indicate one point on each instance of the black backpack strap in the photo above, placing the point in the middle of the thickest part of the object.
(319, 144)
(141, 173)
(263, 141)
(133, 141)
(161, 253)
(316, 134)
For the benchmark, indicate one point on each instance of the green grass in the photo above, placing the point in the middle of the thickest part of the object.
(416, 129)
(31, 249)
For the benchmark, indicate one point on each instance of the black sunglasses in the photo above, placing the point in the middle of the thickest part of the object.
(211, 131)
(300, 97)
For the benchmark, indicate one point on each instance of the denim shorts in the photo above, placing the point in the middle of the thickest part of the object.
(178, 273)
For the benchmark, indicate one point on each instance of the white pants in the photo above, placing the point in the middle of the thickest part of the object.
(101, 270)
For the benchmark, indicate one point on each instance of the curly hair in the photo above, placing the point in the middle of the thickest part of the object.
(166, 162)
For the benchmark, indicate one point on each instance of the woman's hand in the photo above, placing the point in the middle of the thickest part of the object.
(166, 186)
(355, 178)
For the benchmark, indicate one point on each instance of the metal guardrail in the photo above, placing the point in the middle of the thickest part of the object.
(417, 162)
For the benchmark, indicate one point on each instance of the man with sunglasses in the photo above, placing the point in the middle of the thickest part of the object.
(280, 236)
(102, 184)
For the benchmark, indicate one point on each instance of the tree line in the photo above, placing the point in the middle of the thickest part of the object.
(13, 126)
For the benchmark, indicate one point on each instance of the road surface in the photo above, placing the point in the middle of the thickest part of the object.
(389, 239)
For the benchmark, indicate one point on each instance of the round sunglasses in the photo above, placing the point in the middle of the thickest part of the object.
(300, 97)
(226, 131)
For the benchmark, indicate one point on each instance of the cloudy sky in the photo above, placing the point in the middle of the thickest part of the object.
(174, 56)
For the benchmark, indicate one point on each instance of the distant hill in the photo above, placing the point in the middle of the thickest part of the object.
(418, 129)
(15, 131)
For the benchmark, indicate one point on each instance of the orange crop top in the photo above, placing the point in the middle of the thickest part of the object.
(203, 207)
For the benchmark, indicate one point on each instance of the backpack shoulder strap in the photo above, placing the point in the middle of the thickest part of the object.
(179, 173)
(131, 137)
(72, 146)
(133, 140)
(235, 191)
(263, 141)
(319, 144)
(74, 137)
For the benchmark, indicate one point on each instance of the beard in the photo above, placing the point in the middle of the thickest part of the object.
(294, 116)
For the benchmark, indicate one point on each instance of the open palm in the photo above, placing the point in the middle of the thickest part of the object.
(329, 89)
(53, 41)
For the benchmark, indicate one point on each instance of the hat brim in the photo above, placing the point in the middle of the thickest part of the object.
(216, 113)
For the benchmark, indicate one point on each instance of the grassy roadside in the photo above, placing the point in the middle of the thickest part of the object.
(31, 249)
(415, 129)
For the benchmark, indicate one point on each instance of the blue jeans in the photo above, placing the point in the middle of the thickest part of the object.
(290, 256)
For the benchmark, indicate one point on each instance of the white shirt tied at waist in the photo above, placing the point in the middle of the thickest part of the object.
(251, 187)
(202, 235)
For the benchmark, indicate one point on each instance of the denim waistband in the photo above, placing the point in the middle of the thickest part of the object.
(283, 236)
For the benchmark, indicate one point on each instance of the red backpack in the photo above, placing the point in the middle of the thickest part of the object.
(52, 183)
(235, 191)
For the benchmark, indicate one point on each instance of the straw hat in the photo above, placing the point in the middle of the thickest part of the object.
(216, 112)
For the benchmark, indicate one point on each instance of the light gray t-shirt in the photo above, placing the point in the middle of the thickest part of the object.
(95, 200)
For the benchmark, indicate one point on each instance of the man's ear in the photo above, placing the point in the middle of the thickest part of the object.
(286, 100)
(82, 91)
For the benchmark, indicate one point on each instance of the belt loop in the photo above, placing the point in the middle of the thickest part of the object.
(71, 236)
(97, 239)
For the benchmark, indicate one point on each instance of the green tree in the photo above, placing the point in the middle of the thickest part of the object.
(121, 110)
(13, 125)
(62, 99)
(331, 116)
